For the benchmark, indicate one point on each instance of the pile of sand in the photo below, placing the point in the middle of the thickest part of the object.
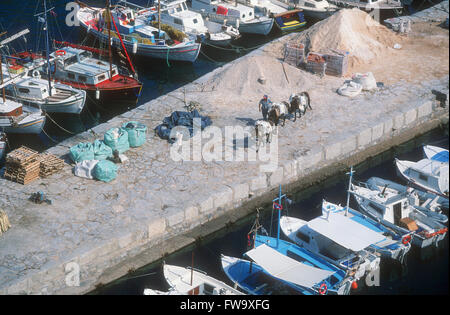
(350, 30)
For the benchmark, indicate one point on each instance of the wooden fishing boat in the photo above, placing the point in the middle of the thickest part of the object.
(395, 212)
(315, 9)
(17, 118)
(337, 239)
(240, 16)
(286, 18)
(34, 91)
(77, 67)
(187, 281)
(426, 174)
(422, 200)
(135, 33)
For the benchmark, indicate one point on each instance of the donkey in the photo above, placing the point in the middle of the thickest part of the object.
(299, 103)
(263, 129)
(278, 111)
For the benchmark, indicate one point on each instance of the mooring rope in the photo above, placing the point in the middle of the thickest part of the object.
(62, 128)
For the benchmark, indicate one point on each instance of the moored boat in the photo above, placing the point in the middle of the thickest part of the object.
(240, 16)
(34, 91)
(316, 9)
(429, 175)
(436, 153)
(134, 31)
(17, 118)
(395, 212)
(195, 282)
(286, 19)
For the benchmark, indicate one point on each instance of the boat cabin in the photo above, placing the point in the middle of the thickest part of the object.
(77, 65)
(32, 89)
(240, 11)
(176, 14)
(10, 108)
(430, 173)
(391, 208)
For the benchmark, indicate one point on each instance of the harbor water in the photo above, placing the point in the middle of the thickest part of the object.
(425, 271)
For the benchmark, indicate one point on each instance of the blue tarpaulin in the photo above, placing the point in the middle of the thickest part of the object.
(179, 118)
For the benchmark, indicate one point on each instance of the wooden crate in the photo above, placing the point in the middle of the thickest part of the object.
(337, 62)
(21, 155)
(49, 164)
(294, 54)
(22, 165)
(316, 63)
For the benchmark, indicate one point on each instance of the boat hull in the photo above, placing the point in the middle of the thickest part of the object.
(32, 126)
(260, 27)
(182, 52)
(290, 21)
(72, 106)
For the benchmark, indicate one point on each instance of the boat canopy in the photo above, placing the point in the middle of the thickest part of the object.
(345, 232)
(286, 268)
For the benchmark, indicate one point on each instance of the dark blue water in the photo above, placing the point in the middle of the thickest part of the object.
(426, 271)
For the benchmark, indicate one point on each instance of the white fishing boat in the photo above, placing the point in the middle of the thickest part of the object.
(18, 118)
(195, 282)
(34, 91)
(393, 245)
(394, 211)
(136, 31)
(271, 272)
(286, 18)
(435, 153)
(336, 239)
(429, 175)
(316, 9)
(423, 200)
(177, 15)
(238, 15)
(369, 5)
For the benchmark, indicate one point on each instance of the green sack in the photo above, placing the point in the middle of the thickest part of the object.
(136, 133)
(117, 139)
(105, 171)
(101, 150)
(81, 152)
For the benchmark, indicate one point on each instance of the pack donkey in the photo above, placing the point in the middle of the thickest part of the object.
(299, 102)
(277, 112)
(263, 130)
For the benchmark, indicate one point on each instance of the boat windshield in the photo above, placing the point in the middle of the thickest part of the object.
(85, 54)
(71, 60)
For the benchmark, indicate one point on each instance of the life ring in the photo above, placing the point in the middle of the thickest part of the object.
(406, 239)
(277, 206)
(35, 74)
(60, 52)
(323, 289)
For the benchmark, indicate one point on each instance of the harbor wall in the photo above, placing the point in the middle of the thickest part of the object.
(96, 232)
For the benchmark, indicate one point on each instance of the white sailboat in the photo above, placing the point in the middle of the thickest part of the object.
(429, 175)
(187, 281)
(240, 16)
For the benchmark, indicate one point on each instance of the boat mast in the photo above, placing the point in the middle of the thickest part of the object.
(1, 72)
(348, 191)
(47, 48)
(279, 208)
(108, 21)
(159, 19)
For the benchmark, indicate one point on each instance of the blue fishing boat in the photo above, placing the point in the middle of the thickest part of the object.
(295, 267)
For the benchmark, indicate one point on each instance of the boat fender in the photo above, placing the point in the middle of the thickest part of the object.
(277, 206)
(354, 285)
(323, 289)
(97, 94)
(406, 239)
(35, 74)
(134, 47)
